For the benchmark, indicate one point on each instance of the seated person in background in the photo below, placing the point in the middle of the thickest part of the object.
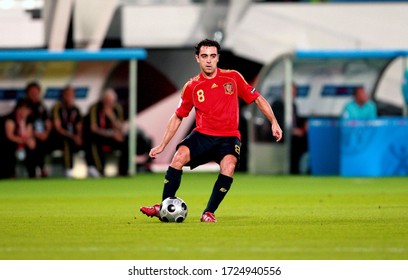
(361, 107)
(67, 121)
(299, 144)
(104, 134)
(144, 145)
(298, 133)
(41, 124)
(17, 141)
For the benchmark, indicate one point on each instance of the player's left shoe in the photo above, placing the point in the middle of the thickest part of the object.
(208, 217)
(151, 211)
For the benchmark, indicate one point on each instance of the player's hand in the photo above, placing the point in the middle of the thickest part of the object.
(30, 142)
(277, 132)
(41, 135)
(155, 151)
(298, 132)
(118, 136)
(77, 139)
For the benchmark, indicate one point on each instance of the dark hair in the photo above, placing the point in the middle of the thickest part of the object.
(31, 85)
(357, 88)
(207, 43)
(22, 103)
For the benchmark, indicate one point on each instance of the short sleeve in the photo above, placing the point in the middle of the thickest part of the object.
(55, 113)
(78, 117)
(186, 101)
(346, 111)
(245, 91)
(373, 109)
(44, 113)
(93, 114)
(119, 112)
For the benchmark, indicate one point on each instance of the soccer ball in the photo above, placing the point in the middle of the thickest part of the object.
(173, 209)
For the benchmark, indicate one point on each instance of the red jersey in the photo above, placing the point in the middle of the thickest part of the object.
(216, 102)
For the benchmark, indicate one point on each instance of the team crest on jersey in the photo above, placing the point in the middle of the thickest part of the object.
(229, 89)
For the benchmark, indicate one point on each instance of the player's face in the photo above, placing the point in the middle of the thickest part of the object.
(208, 59)
(34, 94)
(361, 96)
(109, 101)
(69, 97)
(24, 112)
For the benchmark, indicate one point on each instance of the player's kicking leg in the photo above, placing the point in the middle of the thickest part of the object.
(151, 211)
(172, 180)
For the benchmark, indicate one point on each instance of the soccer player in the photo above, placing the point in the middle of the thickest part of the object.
(103, 129)
(67, 122)
(41, 124)
(214, 94)
(17, 141)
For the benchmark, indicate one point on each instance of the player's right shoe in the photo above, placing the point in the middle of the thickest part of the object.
(151, 211)
(208, 217)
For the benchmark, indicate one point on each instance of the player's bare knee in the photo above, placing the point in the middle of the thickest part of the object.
(227, 165)
(181, 157)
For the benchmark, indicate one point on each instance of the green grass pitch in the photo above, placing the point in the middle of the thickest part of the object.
(263, 217)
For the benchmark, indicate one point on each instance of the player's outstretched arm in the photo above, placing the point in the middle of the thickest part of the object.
(172, 127)
(266, 109)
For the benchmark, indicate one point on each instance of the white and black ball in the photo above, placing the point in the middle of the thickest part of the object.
(173, 209)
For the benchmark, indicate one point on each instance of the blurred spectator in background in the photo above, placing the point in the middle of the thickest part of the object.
(299, 143)
(67, 122)
(361, 107)
(144, 145)
(104, 134)
(17, 141)
(41, 124)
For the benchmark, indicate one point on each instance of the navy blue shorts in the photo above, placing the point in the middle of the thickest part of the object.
(206, 148)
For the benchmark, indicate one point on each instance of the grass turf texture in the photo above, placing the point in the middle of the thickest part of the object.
(263, 217)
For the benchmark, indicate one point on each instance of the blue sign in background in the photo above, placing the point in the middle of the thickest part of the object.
(324, 146)
(374, 147)
(359, 148)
